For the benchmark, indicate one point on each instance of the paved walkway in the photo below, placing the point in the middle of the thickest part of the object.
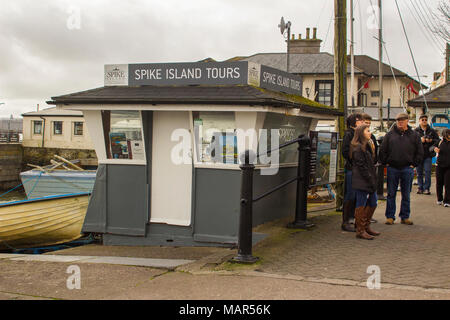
(324, 263)
(417, 255)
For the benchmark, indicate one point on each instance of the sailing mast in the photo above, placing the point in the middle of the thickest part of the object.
(352, 58)
(380, 70)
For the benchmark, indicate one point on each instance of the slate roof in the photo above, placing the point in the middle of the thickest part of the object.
(438, 97)
(222, 95)
(302, 63)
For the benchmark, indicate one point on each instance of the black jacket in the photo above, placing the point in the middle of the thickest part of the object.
(443, 160)
(364, 175)
(431, 133)
(348, 137)
(401, 149)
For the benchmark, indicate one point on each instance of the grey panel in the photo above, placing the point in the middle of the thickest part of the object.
(127, 199)
(95, 220)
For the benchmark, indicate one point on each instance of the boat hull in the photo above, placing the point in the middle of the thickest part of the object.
(39, 184)
(42, 222)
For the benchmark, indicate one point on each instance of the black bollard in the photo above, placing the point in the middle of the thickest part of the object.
(304, 158)
(246, 210)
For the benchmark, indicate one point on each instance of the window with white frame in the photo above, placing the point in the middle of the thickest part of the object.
(37, 127)
(57, 127)
(78, 128)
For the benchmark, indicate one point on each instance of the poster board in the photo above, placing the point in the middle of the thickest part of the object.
(324, 157)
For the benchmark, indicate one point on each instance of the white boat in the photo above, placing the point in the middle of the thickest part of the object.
(52, 180)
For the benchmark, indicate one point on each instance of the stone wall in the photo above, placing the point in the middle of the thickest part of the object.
(42, 156)
(11, 156)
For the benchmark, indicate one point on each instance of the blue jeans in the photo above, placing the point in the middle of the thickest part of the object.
(364, 198)
(405, 177)
(424, 166)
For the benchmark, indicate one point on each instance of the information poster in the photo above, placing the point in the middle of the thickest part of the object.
(324, 157)
(119, 145)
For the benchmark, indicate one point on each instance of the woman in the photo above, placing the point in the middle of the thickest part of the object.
(362, 152)
(443, 168)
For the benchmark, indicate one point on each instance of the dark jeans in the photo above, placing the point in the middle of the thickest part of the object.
(443, 179)
(404, 176)
(364, 198)
(424, 166)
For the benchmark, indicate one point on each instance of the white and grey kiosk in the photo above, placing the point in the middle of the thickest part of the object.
(158, 182)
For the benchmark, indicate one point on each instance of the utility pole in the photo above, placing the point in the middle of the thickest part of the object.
(380, 66)
(340, 71)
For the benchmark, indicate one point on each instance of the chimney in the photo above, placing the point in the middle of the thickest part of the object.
(306, 45)
(38, 107)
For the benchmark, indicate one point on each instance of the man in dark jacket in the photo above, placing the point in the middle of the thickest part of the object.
(400, 151)
(429, 139)
(348, 212)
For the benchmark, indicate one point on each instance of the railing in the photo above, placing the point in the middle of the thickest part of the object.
(247, 199)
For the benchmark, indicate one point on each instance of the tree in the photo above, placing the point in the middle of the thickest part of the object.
(442, 28)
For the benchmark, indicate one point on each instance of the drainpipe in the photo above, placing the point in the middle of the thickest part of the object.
(43, 131)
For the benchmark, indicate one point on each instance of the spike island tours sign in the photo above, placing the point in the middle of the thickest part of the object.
(203, 73)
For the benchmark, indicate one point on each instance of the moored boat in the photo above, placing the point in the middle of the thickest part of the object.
(58, 179)
(41, 222)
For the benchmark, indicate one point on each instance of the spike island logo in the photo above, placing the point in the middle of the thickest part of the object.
(116, 74)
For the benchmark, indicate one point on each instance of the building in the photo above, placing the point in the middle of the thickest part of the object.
(438, 103)
(56, 128)
(168, 139)
(317, 71)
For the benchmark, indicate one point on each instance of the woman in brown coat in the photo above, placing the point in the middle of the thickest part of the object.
(364, 181)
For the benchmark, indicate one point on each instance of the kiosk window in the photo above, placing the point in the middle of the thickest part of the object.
(123, 134)
(215, 137)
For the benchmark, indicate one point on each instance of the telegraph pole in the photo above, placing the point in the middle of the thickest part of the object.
(340, 72)
(352, 57)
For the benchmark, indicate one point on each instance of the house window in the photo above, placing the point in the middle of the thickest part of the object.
(57, 127)
(123, 134)
(374, 94)
(78, 128)
(37, 127)
(324, 92)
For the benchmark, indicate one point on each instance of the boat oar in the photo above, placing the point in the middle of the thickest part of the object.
(68, 162)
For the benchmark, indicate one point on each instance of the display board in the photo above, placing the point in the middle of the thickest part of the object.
(324, 157)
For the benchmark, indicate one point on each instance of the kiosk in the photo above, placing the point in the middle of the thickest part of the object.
(168, 136)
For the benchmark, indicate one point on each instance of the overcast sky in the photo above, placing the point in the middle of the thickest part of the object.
(54, 47)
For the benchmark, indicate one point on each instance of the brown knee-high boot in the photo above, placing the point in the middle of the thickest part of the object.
(369, 214)
(361, 222)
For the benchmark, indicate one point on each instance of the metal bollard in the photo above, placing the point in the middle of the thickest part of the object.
(304, 158)
(246, 210)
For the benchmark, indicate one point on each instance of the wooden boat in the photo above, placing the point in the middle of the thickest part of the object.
(41, 222)
(64, 177)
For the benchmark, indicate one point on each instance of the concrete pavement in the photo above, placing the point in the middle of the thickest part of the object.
(323, 263)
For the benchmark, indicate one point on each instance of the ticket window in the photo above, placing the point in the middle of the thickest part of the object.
(123, 135)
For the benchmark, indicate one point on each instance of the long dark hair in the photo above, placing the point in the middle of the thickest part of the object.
(359, 140)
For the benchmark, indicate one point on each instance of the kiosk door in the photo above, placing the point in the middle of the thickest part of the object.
(171, 180)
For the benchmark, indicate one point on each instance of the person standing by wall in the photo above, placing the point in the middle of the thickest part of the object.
(443, 169)
(401, 151)
(429, 138)
(348, 212)
(364, 181)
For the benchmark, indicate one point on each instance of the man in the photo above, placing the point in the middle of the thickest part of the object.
(429, 138)
(401, 151)
(348, 212)
(367, 119)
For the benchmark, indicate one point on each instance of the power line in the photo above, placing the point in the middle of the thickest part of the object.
(422, 11)
(432, 16)
(424, 24)
(421, 29)
(412, 56)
